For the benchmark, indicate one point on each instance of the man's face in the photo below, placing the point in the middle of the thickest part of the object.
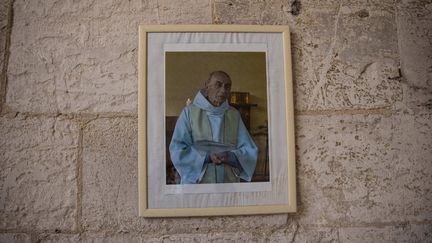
(218, 89)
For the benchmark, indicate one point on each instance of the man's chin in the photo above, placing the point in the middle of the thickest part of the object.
(218, 102)
(221, 102)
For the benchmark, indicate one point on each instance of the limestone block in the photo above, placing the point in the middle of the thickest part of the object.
(290, 12)
(402, 233)
(110, 173)
(161, 12)
(364, 168)
(14, 238)
(343, 61)
(52, 70)
(414, 20)
(59, 65)
(82, 56)
(344, 55)
(52, 9)
(38, 173)
(110, 188)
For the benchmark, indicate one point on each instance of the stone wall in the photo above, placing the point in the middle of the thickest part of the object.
(68, 124)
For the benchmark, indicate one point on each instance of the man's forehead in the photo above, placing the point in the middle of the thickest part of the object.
(221, 78)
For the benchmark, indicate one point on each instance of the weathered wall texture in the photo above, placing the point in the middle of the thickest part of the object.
(68, 124)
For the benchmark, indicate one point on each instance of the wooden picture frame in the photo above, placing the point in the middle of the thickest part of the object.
(230, 198)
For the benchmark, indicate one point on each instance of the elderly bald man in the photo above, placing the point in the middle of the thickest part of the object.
(210, 143)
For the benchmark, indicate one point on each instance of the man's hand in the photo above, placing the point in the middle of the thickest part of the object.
(219, 158)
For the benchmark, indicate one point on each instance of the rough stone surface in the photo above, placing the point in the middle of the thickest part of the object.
(14, 238)
(138, 237)
(362, 72)
(401, 233)
(283, 235)
(110, 185)
(82, 56)
(212, 237)
(364, 168)
(38, 173)
(415, 99)
(64, 238)
(280, 11)
(414, 21)
(304, 234)
(4, 7)
(110, 181)
(340, 60)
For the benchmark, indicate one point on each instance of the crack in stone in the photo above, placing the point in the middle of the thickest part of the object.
(4, 79)
(158, 11)
(326, 62)
(295, 232)
(364, 69)
(213, 12)
(79, 180)
(386, 111)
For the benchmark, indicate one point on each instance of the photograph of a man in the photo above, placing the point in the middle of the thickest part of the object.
(210, 143)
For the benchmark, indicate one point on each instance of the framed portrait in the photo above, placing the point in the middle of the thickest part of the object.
(215, 120)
